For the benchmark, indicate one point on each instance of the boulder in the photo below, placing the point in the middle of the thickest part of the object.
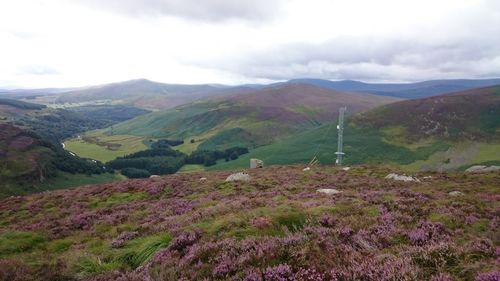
(404, 178)
(239, 177)
(256, 163)
(482, 169)
(455, 193)
(475, 169)
(306, 169)
(203, 179)
(346, 168)
(328, 191)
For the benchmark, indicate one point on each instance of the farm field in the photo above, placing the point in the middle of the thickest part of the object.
(98, 146)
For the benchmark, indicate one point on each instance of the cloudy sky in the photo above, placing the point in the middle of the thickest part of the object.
(60, 43)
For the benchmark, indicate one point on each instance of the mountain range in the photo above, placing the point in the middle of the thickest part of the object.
(280, 123)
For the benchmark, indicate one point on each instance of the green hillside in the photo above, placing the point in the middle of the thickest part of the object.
(251, 119)
(398, 134)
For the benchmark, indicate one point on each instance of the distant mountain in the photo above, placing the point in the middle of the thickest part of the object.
(402, 90)
(144, 94)
(472, 114)
(250, 118)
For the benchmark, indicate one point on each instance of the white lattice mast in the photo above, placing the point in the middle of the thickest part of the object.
(340, 128)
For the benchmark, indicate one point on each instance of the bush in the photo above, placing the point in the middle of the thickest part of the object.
(134, 173)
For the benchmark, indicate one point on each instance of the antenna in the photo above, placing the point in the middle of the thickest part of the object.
(340, 128)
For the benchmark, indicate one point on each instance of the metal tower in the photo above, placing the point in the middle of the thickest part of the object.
(340, 128)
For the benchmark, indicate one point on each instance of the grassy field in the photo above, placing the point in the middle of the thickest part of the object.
(191, 168)
(105, 148)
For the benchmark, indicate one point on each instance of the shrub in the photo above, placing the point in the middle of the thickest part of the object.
(134, 173)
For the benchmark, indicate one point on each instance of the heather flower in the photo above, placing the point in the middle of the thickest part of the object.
(253, 276)
(309, 274)
(470, 219)
(481, 246)
(427, 232)
(327, 220)
(345, 231)
(490, 276)
(441, 277)
(282, 272)
(184, 240)
(123, 237)
(82, 221)
(262, 222)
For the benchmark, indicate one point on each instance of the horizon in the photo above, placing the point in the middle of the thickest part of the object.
(76, 87)
(53, 44)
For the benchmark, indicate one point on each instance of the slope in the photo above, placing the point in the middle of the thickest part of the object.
(277, 226)
(252, 119)
(403, 90)
(438, 133)
(142, 93)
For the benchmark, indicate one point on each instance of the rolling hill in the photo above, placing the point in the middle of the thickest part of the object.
(437, 133)
(472, 114)
(403, 90)
(140, 93)
(249, 119)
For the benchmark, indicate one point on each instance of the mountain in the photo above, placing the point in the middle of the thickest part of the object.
(143, 93)
(403, 90)
(446, 132)
(276, 226)
(251, 118)
(472, 114)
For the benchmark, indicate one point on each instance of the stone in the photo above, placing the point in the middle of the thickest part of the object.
(239, 177)
(476, 169)
(346, 168)
(256, 163)
(154, 176)
(306, 169)
(328, 191)
(404, 178)
(455, 193)
(203, 179)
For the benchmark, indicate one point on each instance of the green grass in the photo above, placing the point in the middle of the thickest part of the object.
(18, 242)
(105, 148)
(140, 250)
(361, 145)
(117, 198)
(191, 168)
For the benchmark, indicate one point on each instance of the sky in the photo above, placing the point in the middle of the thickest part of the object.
(67, 43)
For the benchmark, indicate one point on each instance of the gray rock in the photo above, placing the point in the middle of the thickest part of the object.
(456, 193)
(256, 163)
(482, 169)
(328, 191)
(239, 177)
(476, 169)
(404, 178)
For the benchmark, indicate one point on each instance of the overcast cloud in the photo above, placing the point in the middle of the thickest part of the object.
(205, 10)
(59, 43)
